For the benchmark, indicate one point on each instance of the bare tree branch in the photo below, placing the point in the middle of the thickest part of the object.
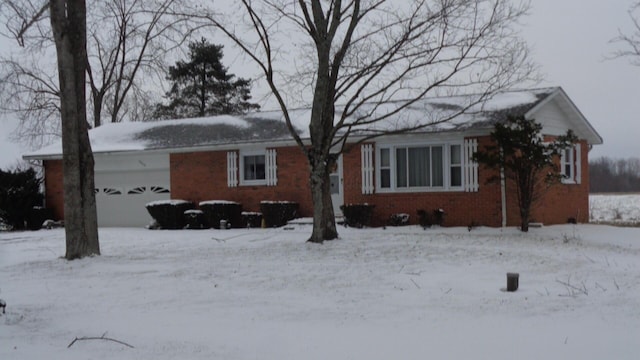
(630, 41)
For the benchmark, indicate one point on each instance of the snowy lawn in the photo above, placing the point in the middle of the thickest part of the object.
(399, 293)
(615, 208)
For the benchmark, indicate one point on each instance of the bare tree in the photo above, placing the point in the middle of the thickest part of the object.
(129, 37)
(353, 57)
(128, 41)
(68, 22)
(631, 40)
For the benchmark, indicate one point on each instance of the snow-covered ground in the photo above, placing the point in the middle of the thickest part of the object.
(615, 208)
(395, 293)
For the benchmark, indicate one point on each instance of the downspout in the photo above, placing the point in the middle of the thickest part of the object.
(503, 190)
(503, 195)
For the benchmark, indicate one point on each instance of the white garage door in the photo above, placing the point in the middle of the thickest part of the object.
(124, 184)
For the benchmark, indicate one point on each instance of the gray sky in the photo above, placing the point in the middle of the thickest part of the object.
(570, 40)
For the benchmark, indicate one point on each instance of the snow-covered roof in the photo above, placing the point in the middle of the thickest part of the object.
(460, 112)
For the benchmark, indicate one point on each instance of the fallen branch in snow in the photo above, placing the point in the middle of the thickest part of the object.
(414, 283)
(574, 290)
(103, 337)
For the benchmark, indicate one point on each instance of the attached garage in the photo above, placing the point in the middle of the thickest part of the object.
(125, 183)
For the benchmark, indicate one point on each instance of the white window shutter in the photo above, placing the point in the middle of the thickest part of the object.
(578, 164)
(271, 168)
(366, 154)
(470, 166)
(232, 169)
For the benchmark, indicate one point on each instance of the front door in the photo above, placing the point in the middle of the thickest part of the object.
(337, 190)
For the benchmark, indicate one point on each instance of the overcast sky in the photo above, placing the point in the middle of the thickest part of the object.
(570, 40)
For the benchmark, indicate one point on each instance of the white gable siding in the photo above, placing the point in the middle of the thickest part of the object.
(552, 118)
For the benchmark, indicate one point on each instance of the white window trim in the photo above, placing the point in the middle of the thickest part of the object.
(270, 167)
(446, 161)
(245, 153)
(574, 162)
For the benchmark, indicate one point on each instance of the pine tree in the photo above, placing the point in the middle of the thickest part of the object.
(202, 86)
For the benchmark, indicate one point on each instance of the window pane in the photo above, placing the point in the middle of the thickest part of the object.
(456, 176)
(385, 178)
(401, 167)
(419, 166)
(254, 167)
(456, 155)
(437, 166)
(384, 158)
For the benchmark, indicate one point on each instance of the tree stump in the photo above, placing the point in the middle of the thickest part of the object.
(512, 281)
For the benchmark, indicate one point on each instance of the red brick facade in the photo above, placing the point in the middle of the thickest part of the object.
(201, 176)
(54, 187)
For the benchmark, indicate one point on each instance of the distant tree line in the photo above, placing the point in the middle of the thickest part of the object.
(614, 175)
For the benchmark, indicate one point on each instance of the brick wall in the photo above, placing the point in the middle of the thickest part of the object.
(202, 176)
(559, 203)
(54, 187)
(563, 201)
(461, 208)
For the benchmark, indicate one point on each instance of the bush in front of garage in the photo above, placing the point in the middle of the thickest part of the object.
(278, 213)
(217, 210)
(251, 219)
(169, 214)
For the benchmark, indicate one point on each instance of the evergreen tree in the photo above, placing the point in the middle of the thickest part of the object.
(19, 193)
(527, 159)
(202, 86)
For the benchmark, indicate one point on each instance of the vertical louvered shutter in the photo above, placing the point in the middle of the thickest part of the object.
(366, 153)
(470, 166)
(271, 168)
(232, 169)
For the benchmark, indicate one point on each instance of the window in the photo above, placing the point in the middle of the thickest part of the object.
(159, 190)
(385, 169)
(137, 190)
(570, 165)
(455, 176)
(112, 191)
(420, 167)
(254, 167)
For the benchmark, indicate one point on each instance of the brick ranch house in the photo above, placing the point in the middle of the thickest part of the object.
(252, 158)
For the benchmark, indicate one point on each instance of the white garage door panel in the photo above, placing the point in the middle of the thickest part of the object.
(121, 196)
(125, 209)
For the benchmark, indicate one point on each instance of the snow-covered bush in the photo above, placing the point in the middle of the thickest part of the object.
(194, 219)
(357, 215)
(251, 219)
(400, 219)
(37, 216)
(426, 219)
(278, 213)
(169, 214)
(216, 210)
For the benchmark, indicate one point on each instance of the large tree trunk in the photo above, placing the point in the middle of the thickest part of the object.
(68, 21)
(324, 222)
